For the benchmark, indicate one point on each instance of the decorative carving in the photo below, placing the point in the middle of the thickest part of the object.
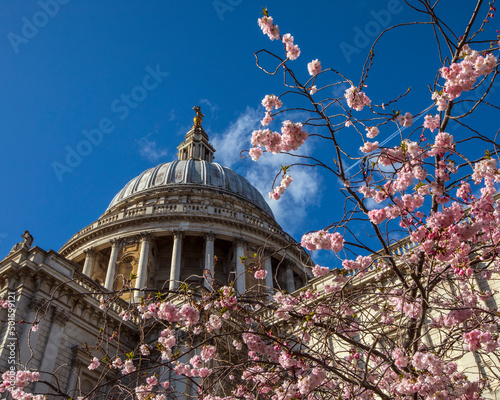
(25, 244)
(36, 303)
(60, 317)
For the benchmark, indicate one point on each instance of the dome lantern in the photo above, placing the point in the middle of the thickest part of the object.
(195, 145)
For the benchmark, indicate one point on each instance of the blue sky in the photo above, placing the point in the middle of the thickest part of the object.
(69, 67)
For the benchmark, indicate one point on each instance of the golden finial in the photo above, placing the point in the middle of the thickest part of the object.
(199, 116)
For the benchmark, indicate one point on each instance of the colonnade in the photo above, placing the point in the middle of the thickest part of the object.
(175, 266)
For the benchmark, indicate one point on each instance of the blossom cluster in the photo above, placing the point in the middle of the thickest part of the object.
(461, 77)
(291, 138)
(323, 240)
(269, 28)
(314, 67)
(14, 383)
(280, 189)
(292, 50)
(356, 99)
(405, 120)
(431, 122)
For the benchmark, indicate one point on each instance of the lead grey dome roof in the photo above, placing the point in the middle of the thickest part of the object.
(192, 172)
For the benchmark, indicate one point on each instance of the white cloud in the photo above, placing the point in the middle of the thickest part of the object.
(213, 107)
(291, 210)
(149, 150)
(171, 115)
(235, 138)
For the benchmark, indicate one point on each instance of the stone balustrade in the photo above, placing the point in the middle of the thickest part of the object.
(181, 210)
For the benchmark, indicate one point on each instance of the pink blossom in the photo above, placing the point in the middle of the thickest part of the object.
(117, 363)
(208, 353)
(292, 50)
(94, 364)
(368, 147)
(128, 367)
(292, 136)
(320, 271)
(377, 216)
(189, 314)
(255, 153)
(356, 99)
(442, 144)
(165, 385)
(196, 361)
(260, 274)
(145, 350)
(405, 120)
(372, 132)
(323, 240)
(431, 122)
(268, 27)
(270, 101)
(314, 67)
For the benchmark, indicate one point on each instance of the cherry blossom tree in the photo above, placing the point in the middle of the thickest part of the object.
(412, 318)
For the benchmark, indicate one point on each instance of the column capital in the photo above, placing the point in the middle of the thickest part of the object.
(240, 242)
(116, 241)
(209, 236)
(178, 234)
(89, 250)
(145, 236)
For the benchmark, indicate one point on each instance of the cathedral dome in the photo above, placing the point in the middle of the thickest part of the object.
(189, 220)
(191, 172)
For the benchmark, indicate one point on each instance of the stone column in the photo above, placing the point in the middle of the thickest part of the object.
(269, 277)
(110, 273)
(89, 258)
(175, 266)
(290, 281)
(240, 267)
(209, 259)
(142, 268)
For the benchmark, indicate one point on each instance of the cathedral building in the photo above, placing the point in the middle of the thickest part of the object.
(190, 220)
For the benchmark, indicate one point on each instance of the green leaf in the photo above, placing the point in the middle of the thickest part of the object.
(285, 168)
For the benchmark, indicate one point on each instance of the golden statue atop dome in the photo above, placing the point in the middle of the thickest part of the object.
(199, 117)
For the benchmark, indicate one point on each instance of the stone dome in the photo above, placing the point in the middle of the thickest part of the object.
(191, 172)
